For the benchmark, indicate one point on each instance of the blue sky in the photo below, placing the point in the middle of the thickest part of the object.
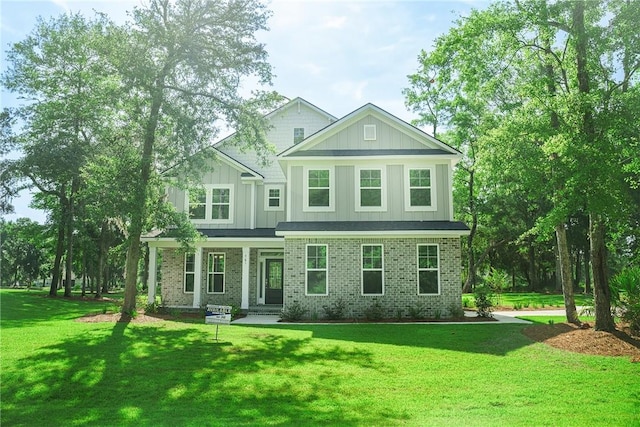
(338, 55)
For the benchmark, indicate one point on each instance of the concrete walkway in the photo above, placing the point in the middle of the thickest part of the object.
(502, 317)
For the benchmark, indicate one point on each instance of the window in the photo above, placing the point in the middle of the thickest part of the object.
(220, 202)
(273, 197)
(211, 203)
(318, 195)
(298, 135)
(419, 189)
(428, 270)
(369, 132)
(215, 273)
(370, 190)
(189, 272)
(372, 270)
(197, 203)
(316, 270)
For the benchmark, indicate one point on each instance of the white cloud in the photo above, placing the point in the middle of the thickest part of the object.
(335, 22)
(350, 89)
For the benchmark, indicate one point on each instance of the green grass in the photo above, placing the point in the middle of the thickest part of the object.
(530, 300)
(59, 372)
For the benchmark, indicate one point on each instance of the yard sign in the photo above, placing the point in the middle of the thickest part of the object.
(218, 314)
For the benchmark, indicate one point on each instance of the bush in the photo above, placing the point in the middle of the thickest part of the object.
(375, 312)
(456, 311)
(293, 312)
(416, 312)
(484, 301)
(625, 293)
(335, 311)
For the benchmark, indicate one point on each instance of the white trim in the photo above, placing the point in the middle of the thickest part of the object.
(450, 190)
(369, 132)
(280, 188)
(306, 270)
(289, 200)
(418, 269)
(263, 256)
(252, 222)
(208, 212)
(432, 188)
(153, 270)
(218, 242)
(210, 264)
(197, 280)
(305, 189)
(383, 190)
(246, 259)
(362, 269)
(185, 272)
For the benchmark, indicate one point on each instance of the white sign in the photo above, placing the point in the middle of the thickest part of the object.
(218, 314)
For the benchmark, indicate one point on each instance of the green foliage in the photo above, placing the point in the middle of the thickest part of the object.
(416, 311)
(484, 301)
(625, 287)
(293, 312)
(374, 312)
(335, 311)
(455, 311)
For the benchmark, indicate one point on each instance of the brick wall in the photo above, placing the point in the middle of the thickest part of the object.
(400, 277)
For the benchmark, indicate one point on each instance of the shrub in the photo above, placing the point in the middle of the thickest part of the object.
(375, 312)
(335, 311)
(625, 292)
(456, 311)
(484, 301)
(416, 312)
(293, 312)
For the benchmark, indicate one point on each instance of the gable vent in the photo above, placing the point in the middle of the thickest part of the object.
(369, 132)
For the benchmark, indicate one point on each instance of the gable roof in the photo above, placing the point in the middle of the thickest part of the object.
(246, 172)
(379, 113)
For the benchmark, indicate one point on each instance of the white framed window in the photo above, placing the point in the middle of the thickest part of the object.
(419, 194)
(316, 270)
(372, 267)
(215, 273)
(189, 273)
(371, 189)
(298, 135)
(428, 269)
(319, 189)
(211, 203)
(274, 197)
(369, 132)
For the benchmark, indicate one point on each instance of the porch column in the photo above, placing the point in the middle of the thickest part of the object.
(197, 279)
(245, 277)
(151, 283)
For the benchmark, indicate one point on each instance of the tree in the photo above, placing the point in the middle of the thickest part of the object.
(183, 63)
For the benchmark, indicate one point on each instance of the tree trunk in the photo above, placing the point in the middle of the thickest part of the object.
(102, 255)
(138, 217)
(145, 268)
(564, 258)
(55, 279)
(601, 291)
(69, 260)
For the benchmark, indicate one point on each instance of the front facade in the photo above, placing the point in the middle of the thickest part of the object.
(356, 210)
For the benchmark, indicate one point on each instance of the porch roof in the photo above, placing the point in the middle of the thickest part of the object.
(373, 227)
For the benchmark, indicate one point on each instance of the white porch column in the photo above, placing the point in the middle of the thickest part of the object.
(197, 279)
(245, 277)
(151, 283)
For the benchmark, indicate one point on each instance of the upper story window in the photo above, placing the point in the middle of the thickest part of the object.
(212, 203)
(215, 273)
(428, 269)
(189, 272)
(370, 132)
(298, 135)
(316, 270)
(420, 189)
(273, 197)
(319, 189)
(372, 270)
(370, 189)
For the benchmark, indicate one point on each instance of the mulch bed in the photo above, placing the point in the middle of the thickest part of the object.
(587, 340)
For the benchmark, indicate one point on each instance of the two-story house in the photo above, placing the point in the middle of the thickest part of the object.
(357, 209)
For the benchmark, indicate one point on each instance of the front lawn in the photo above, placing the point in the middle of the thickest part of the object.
(60, 372)
(529, 300)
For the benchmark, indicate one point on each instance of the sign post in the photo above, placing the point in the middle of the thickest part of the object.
(218, 314)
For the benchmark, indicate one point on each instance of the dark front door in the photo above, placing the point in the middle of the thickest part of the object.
(273, 283)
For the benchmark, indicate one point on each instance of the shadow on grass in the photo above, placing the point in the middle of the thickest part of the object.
(124, 374)
(469, 338)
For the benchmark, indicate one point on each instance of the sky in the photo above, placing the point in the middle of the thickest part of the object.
(338, 55)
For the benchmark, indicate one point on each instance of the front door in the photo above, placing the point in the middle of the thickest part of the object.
(273, 281)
